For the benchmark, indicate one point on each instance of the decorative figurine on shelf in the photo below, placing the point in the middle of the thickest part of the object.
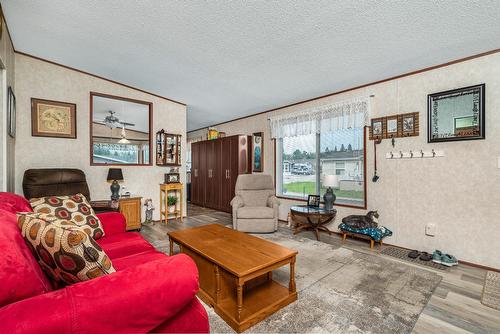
(149, 211)
(330, 181)
(361, 222)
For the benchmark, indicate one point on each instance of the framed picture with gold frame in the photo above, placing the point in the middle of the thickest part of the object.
(53, 119)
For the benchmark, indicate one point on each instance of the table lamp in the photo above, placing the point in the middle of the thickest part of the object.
(115, 175)
(330, 181)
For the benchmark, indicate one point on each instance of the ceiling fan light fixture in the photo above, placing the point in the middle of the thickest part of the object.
(124, 141)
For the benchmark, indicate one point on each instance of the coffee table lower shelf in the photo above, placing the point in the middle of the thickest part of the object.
(258, 303)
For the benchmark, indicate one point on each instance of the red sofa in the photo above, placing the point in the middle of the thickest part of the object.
(150, 291)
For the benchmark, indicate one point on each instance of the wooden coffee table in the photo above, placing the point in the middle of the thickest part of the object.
(236, 272)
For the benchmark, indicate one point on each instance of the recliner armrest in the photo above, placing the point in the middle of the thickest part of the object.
(237, 202)
(273, 202)
(135, 300)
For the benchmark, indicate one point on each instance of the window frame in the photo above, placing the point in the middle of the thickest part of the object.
(318, 176)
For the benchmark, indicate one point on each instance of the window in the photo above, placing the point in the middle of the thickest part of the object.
(303, 161)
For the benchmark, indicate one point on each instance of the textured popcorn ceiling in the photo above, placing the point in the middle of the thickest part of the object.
(230, 59)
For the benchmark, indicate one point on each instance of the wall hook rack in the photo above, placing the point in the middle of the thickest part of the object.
(411, 154)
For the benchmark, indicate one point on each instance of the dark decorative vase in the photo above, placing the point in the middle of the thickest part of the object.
(329, 198)
(115, 190)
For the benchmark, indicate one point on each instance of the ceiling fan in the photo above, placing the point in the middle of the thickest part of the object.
(111, 121)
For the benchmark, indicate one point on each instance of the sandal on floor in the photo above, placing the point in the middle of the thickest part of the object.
(425, 256)
(413, 254)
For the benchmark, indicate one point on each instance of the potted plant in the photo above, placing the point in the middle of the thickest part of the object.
(171, 202)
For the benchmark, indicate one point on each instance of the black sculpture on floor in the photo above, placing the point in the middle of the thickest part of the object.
(361, 222)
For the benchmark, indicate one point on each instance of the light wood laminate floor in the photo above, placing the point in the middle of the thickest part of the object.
(453, 308)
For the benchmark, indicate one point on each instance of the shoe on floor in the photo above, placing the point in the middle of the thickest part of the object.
(413, 254)
(436, 256)
(425, 256)
(449, 260)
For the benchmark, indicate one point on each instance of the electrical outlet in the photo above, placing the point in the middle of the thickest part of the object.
(430, 230)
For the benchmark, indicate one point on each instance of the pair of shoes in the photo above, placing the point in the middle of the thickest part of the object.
(424, 256)
(444, 259)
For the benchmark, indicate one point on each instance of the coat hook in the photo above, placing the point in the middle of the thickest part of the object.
(401, 154)
(421, 153)
(411, 154)
(392, 155)
(433, 153)
(393, 142)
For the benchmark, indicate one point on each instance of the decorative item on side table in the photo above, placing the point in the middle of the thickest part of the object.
(456, 114)
(171, 202)
(330, 181)
(173, 176)
(115, 175)
(148, 203)
(258, 152)
(365, 227)
(168, 149)
(53, 119)
(313, 201)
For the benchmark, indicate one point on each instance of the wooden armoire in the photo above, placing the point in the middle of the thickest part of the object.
(215, 166)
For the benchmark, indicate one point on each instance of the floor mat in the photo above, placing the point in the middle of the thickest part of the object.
(491, 290)
(402, 254)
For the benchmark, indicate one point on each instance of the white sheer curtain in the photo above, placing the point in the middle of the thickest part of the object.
(341, 115)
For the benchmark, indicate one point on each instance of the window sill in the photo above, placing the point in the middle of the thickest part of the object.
(336, 204)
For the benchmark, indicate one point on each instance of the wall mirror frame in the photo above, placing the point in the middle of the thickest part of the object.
(120, 131)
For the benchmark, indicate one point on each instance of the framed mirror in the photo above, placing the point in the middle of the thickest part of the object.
(120, 130)
(456, 114)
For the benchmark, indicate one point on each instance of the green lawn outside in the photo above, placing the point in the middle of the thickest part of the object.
(309, 188)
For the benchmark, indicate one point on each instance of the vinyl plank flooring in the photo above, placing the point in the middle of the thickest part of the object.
(454, 307)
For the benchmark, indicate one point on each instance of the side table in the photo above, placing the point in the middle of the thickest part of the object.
(165, 190)
(316, 218)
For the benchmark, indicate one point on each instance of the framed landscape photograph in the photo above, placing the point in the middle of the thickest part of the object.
(456, 114)
(409, 124)
(257, 152)
(53, 119)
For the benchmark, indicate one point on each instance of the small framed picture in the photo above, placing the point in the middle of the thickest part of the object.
(313, 201)
(392, 127)
(377, 128)
(409, 124)
(172, 178)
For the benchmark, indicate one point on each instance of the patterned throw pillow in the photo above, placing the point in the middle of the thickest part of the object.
(64, 251)
(75, 208)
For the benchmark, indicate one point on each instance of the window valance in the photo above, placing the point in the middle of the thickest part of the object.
(341, 115)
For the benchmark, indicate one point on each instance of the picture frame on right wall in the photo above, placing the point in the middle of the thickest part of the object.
(258, 152)
(456, 114)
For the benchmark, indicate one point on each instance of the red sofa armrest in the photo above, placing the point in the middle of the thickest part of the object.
(112, 222)
(135, 300)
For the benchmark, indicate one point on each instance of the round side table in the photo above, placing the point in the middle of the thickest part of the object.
(316, 218)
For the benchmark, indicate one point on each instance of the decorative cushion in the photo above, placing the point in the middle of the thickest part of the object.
(64, 251)
(376, 234)
(255, 197)
(75, 208)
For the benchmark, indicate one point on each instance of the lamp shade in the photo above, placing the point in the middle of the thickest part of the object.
(331, 181)
(115, 174)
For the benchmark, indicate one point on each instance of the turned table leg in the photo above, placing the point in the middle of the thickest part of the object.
(372, 243)
(171, 246)
(240, 298)
(291, 285)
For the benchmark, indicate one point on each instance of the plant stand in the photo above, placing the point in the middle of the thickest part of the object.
(165, 190)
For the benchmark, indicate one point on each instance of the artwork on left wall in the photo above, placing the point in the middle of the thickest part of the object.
(11, 112)
(257, 152)
(53, 119)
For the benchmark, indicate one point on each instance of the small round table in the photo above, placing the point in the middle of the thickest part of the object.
(316, 218)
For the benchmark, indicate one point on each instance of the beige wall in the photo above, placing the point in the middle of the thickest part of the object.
(7, 144)
(40, 79)
(459, 193)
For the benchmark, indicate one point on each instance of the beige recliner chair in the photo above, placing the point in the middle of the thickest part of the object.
(255, 208)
